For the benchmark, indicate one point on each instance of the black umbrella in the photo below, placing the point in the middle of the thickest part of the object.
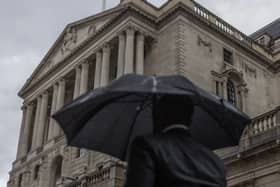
(107, 119)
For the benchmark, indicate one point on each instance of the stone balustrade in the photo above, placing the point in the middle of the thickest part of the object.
(263, 129)
(98, 176)
(112, 174)
(226, 28)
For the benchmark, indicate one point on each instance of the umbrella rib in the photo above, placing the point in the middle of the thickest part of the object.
(132, 126)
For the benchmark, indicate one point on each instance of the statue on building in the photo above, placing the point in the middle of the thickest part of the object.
(69, 41)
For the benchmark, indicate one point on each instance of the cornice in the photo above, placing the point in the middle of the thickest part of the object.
(245, 154)
(133, 10)
(123, 15)
(60, 38)
(183, 10)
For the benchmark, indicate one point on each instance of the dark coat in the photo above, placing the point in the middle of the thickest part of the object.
(173, 159)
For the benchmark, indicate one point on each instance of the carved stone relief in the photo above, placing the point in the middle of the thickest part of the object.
(69, 41)
(207, 44)
(250, 71)
(247, 68)
(92, 30)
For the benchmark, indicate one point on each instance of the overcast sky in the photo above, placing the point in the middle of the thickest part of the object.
(30, 27)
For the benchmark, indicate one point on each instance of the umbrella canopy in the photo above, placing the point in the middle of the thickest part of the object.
(107, 119)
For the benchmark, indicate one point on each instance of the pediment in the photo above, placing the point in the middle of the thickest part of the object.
(78, 32)
(73, 35)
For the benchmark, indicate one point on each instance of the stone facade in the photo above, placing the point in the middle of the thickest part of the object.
(181, 37)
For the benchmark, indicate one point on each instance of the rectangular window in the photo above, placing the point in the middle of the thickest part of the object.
(217, 88)
(228, 56)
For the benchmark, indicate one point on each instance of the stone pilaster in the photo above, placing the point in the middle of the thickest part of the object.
(140, 54)
(225, 89)
(98, 66)
(77, 82)
(121, 55)
(22, 129)
(129, 51)
(105, 70)
(84, 78)
(53, 110)
(36, 123)
(42, 119)
(27, 132)
(59, 103)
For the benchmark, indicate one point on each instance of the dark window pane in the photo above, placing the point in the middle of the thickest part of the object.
(228, 56)
(231, 92)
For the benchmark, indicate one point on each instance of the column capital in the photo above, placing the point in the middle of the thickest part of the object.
(27, 104)
(106, 48)
(32, 103)
(121, 36)
(61, 80)
(45, 92)
(24, 106)
(77, 66)
(99, 53)
(84, 61)
(130, 31)
(39, 96)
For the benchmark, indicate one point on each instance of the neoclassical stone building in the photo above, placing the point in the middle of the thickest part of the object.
(180, 37)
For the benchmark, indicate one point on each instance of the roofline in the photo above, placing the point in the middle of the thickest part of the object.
(60, 37)
(256, 33)
(268, 63)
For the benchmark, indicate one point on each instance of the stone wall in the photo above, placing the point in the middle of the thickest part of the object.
(189, 50)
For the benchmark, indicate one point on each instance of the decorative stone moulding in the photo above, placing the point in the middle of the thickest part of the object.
(205, 43)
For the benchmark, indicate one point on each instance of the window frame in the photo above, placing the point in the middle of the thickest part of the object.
(228, 56)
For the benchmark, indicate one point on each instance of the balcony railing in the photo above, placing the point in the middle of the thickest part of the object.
(263, 129)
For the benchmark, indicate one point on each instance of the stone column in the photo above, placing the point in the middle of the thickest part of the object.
(22, 129)
(225, 89)
(77, 94)
(77, 82)
(84, 78)
(129, 51)
(59, 103)
(98, 66)
(36, 123)
(140, 54)
(105, 70)
(121, 55)
(53, 110)
(42, 119)
(27, 132)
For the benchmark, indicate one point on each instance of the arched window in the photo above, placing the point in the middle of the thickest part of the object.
(231, 92)
(56, 171)
(231, 85)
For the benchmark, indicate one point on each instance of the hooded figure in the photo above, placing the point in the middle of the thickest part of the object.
(170, 157)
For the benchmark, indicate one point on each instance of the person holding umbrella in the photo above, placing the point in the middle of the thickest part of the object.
(171, 157)
(167, 124)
